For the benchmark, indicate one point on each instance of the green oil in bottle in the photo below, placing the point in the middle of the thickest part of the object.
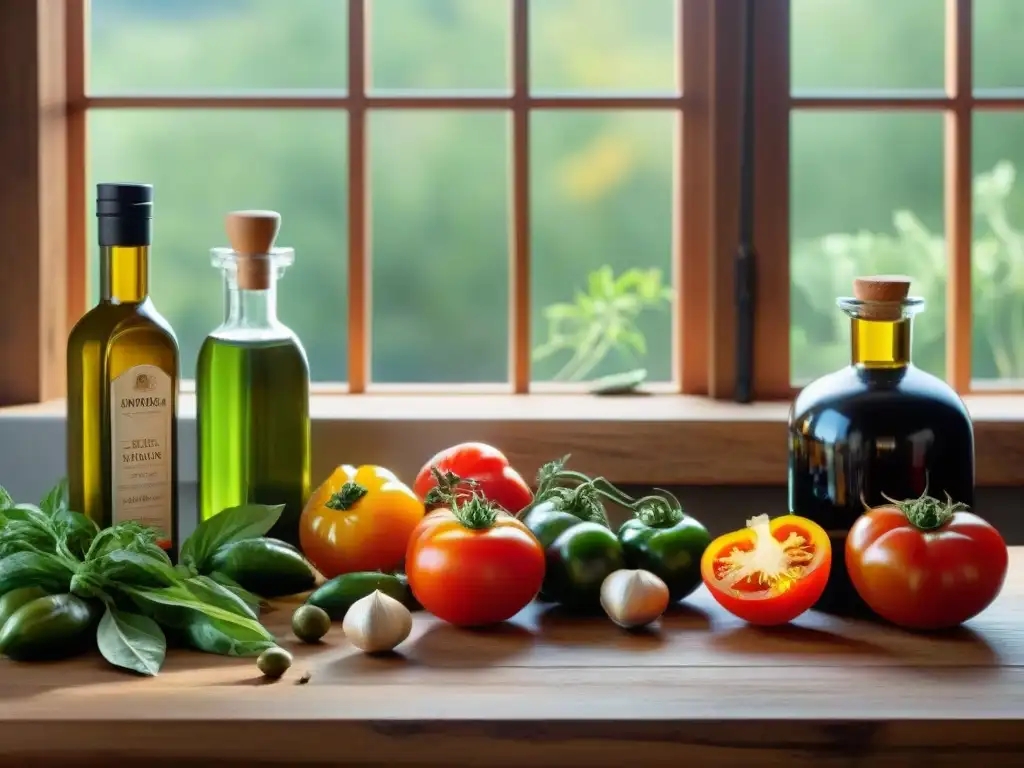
(252, 386)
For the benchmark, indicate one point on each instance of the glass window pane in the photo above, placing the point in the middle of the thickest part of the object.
(216, 45)
(998, 55)
(601, 186)
(611, 45)
(997, 284)
(867, 44)
(867, 198)
(440, 246)
(440, 45)
(204, 163)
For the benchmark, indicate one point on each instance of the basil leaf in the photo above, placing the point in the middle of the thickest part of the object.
(25, 536)
(56, 501)
(28, 513)
(185, 571)
(177, 607)
(75, 533)
(214, 636)
(35, 569)
(6, 500)
(128, 535)
(89, 585)
(139, 569)
(131, 641)
(255, 602)
(212, 593)
(249, 521)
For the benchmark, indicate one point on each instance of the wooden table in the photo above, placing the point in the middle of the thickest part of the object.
(548, 689)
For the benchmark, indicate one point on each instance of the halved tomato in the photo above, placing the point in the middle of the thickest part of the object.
(771, 571)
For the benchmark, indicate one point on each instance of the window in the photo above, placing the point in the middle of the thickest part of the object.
(482, 194)
(460, 176)
(907, 163)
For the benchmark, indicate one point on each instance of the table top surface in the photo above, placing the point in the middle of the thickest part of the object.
(702, 677)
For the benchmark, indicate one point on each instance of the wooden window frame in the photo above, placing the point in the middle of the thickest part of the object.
(692, 216)
(776, 103)
(44, 213)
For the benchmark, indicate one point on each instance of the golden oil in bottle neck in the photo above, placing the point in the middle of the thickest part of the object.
(124, 273)
(880, 343)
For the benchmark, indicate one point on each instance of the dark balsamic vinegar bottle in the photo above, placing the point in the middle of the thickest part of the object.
(878, 426)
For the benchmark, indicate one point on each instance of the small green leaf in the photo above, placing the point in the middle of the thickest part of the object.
(619, 383)
(131, 641)
(56, 501)
(26, 536)
(127, 535)
(28, 513)
(75, 533)
(6, 500)
(138, 569)
(249, 521)
(255, 602)
(561, 311)
(209, 591)
(601, 283)
(214, 636)
(35, 569)
(177, 607)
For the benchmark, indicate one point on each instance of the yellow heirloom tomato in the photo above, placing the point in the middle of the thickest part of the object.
(359, 520)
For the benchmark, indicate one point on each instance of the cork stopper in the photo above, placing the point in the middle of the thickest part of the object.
(884, 295)
(252, 235)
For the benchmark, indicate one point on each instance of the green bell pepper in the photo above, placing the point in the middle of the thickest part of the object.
(664, 540)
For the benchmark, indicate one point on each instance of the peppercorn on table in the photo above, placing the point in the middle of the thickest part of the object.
(553, 689)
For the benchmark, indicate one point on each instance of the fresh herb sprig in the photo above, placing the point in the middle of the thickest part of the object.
(143, 593)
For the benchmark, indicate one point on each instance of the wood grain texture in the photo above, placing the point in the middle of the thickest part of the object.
(33, 200)
(641, 440)
(551, 689)
(76, 279)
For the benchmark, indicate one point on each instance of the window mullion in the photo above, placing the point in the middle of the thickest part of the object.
(958, 186)
(358, 195)
(691, 258)
(519, 284)
(771, 199)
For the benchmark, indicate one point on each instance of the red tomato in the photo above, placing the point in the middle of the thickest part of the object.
(495, 480)
(771, 571)
(473, 576)
(934, 573)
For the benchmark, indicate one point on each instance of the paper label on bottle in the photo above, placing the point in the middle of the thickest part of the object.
(141, 423)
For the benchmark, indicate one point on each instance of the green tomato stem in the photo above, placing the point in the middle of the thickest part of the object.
(347, 496)
(477, 514)
(927, 513)
(661, 510)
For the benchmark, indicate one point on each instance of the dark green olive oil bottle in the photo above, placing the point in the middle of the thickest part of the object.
(252, 385)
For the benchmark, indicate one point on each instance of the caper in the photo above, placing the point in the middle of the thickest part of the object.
(310, 623)
(274, 662)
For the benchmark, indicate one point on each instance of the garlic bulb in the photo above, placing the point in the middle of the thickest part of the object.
(377, 623)
(633, 598)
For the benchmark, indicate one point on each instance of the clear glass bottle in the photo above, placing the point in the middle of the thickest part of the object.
(878, 426)
(122, 381)
(252, 385)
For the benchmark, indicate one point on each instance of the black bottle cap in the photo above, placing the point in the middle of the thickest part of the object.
(125, 212)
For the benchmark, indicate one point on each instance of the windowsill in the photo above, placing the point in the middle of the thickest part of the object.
(659, 439)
